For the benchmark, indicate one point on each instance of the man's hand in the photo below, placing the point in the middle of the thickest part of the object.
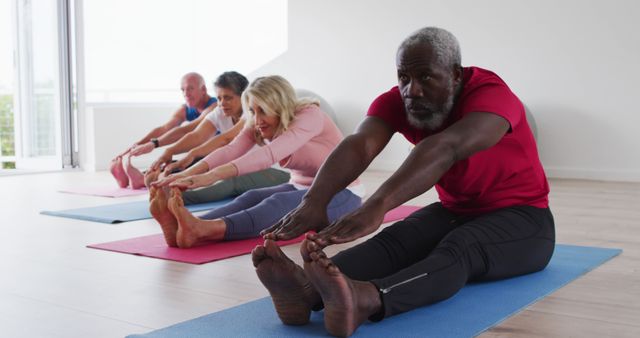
(166, 180)
(352, 226)
(164, 159)
(307, 216)
(195, 181)
(178, 165)
(142, 149)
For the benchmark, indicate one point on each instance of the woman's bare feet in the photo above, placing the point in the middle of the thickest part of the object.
(151, 176)
(347, 303)
(118, 172)
(292, 294)
(191, 229)
(135, 176)
(159, 211)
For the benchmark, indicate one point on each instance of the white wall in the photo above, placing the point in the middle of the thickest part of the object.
(109, 129)
(573, 63)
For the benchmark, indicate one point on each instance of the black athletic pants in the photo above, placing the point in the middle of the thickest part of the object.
(433, 253)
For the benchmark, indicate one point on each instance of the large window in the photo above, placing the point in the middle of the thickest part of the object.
(7, 133)
(34, 96)
(136, 51)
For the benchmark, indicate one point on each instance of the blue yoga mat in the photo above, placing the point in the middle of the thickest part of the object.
(474, 309)
(123, 212)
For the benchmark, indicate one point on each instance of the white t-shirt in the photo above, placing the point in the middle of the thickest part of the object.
(221, 121)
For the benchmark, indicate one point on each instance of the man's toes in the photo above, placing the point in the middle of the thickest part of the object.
(317, 255)
(257, 255)
(325, 262)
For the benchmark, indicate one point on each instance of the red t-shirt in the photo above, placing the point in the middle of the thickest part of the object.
(507, 174)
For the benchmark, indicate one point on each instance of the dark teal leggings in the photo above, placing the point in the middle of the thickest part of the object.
(236, 186)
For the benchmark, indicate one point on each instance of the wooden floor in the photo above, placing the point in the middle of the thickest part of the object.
(52, 286)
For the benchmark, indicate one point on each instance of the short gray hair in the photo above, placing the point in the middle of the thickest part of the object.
(232, 80)
(444, 44)
(198, 77)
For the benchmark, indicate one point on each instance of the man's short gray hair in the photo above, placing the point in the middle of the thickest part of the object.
(198, 77)
(444, 44)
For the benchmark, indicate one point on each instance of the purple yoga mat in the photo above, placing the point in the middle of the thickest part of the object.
(105, 191)
(155, 246)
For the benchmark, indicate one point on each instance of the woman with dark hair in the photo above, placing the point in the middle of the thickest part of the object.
(218, 129)
(282, 129)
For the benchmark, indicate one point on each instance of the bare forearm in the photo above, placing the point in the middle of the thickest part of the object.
(173, 135)
(422, 169)
(200, 168)
(224, 171)
(342, 167)
(155, 133)
(209, 146)
(190, 141)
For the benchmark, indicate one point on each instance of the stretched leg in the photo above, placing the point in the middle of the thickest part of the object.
(347, 303)
(135, 176)
(342, 203)
(399, 245)
(218, 191)
(248, 223)
(118, 172)
(260, 179)
(505, 243)
(236, 186)
(247, 200)
(292, 294)
(191, 229)
(159, 211)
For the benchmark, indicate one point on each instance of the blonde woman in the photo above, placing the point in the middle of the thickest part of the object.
(217, 129)
(292, 132)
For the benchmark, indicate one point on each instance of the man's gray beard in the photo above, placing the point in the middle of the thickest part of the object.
(435, 120)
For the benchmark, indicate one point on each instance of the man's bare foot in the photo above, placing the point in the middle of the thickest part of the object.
(151, 176)
(159, 211)
(310, 245)
(118, 172)
(191, 229)
(347, 303)
(292, 294)
(135, 176)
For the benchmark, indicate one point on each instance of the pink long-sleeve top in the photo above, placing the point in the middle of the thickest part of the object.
(302, 148)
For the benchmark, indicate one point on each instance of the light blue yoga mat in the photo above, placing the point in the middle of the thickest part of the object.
(474, 309)
(123, 212)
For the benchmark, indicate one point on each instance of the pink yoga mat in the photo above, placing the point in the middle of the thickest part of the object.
(155, 246)
(399, 213)
(105, 191)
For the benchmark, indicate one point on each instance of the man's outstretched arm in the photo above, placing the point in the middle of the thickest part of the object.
(350, 158)
(427, 163)
(176, 134)
(177, 118)
(145, 145)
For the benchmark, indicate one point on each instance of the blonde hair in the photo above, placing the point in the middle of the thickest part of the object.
(276, 97)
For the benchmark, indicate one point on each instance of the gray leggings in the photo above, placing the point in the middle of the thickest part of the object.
(236, 186)
(259, 209)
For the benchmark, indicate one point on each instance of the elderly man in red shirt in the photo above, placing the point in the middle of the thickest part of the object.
(473, 143)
